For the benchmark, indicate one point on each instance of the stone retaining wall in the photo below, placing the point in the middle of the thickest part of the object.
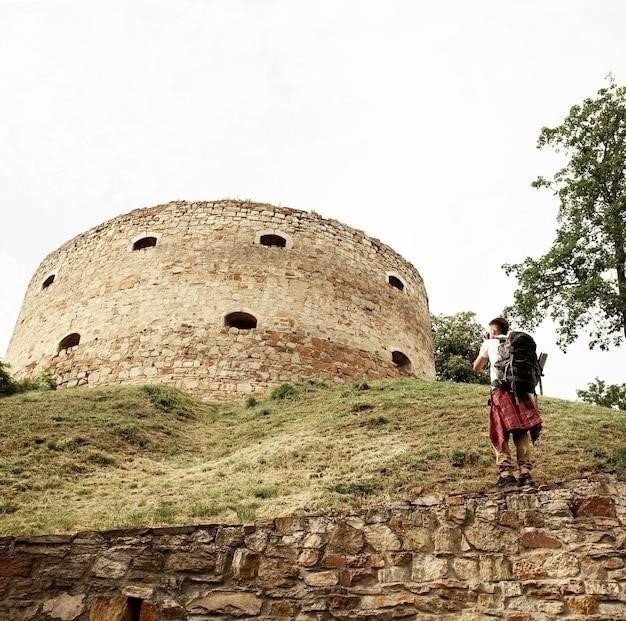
(555, 553)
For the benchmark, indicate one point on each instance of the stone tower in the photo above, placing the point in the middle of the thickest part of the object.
(222, 299)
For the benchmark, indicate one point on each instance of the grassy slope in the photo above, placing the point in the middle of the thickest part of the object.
(128, 456)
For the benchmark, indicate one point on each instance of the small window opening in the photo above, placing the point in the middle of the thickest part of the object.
(394, 281)
(401, 360)
(145, 242)
(273, 240)
(48, 281)
(134, 609)
(243, 321)
(71, 340)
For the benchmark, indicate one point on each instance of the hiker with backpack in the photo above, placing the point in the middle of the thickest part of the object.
(513, 411)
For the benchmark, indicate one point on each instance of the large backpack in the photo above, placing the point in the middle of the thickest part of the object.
(518, 368)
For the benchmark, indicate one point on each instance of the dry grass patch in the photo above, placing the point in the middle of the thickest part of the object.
(131, 456)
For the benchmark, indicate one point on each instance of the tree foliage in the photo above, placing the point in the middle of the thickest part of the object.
(607, 395)
(457, 339)
(581, 281)
(9, 386)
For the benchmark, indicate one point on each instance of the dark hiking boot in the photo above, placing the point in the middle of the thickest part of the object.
(526, 480)
(507, 483)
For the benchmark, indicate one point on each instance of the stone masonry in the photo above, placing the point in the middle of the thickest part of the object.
(332, 304)
(558, 553)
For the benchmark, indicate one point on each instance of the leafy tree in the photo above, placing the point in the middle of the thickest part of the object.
(607, 395)
(457, 339)
(581, 281)
(7, 385)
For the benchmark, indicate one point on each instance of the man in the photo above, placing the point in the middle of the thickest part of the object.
(508, 415)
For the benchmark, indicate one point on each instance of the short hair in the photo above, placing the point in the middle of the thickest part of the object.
(501, 323)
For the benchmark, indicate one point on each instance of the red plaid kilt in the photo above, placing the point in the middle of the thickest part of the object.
(505, 415)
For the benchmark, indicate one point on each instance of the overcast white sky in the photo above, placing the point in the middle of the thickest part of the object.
(414, 121)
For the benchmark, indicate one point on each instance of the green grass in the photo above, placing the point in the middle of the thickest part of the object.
(131, 456)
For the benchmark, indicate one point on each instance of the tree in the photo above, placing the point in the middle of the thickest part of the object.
(581, 281)
(607, 395)
(457, 339)
(7, 385)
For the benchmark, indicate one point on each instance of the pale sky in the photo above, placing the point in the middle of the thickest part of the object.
(414, 121)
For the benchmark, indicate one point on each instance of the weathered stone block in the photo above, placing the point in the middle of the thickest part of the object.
(427, 568)
(196, 562)
(604, 588)
(106, 567)
(594, 506)
(65, 606)
(447, 540)
(465, 569)
(17, 565)
(494, 567)
(415, 538)
(381, 538)
(245, 564)
(563, 565)
(488, 537)
(582, 604)
(276, 571)
(228, 602)
(370, 602)
(321, 578)
(538, 539)
(345, 539)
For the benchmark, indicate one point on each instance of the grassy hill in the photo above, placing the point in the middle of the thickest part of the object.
(129, 456)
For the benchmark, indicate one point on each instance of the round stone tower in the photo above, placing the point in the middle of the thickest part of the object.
(222, 299)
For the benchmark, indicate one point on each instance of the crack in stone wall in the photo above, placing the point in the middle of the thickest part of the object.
(527, 556)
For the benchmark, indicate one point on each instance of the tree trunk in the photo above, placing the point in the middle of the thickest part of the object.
(620, 266)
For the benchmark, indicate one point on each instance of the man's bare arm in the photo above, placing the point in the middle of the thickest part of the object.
(479, 363)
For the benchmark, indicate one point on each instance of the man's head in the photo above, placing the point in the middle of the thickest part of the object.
(498, 326)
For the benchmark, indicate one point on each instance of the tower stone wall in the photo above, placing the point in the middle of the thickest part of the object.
(148, 297)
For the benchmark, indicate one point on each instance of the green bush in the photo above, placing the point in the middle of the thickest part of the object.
(265, 491)
(284, 391)
(132, 434)
(618, 458)
(8, 386)
(169, 400)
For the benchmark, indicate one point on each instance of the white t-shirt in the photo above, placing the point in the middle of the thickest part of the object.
(489, 349)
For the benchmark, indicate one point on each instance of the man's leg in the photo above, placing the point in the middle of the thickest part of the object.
(523, 447)
(503, 460)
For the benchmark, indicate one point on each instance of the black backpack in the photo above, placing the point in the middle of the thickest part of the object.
(518, 369)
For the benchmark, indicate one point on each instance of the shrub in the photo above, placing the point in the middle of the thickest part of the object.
(265, 491)
(246, 512)
(7, 385)
(284, 391)
(132, 434)
(359, 488)
(206, 509)
(618, 458)
(100, 459)
(169, 400)
(164, 512)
